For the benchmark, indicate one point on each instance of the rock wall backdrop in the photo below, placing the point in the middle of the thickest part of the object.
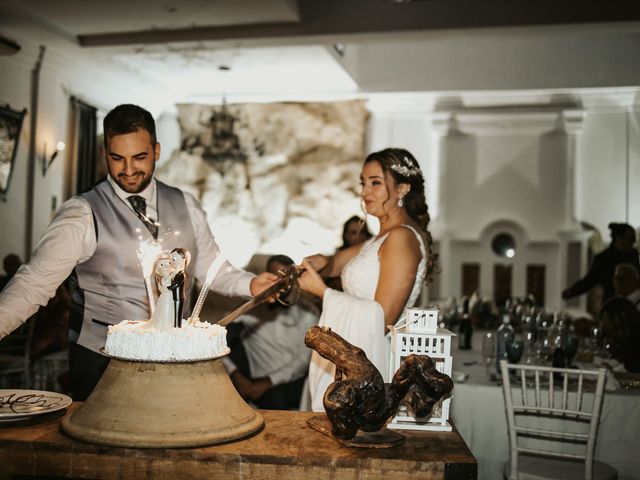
(273, 178)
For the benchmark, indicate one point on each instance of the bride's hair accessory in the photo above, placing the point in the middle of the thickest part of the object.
(405, 168)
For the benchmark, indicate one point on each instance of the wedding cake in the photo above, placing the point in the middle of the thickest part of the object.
(139, 340)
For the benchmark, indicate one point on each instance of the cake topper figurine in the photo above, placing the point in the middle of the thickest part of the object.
(163, 317)
(180, 258)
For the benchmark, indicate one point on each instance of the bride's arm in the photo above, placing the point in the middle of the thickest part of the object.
(399, 259)
(332, 266)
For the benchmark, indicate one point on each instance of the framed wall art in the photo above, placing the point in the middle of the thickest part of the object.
(10, 126)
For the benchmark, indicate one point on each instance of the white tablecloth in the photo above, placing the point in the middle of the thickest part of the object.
(477, 409)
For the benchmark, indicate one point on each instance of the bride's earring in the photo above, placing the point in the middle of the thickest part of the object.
(400, 202)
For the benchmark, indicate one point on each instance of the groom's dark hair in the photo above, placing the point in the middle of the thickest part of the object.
(128, 118)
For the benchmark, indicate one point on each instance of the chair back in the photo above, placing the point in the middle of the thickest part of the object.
(547, 406)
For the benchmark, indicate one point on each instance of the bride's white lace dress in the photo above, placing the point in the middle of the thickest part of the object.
(356, 316)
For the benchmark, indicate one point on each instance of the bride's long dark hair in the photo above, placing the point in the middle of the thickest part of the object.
(404, 168)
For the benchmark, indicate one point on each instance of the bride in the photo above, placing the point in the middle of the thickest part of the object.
(380, 276)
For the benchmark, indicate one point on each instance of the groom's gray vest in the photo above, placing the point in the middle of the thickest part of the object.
(109, 287)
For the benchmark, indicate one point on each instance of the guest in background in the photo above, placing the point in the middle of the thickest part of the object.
(626, 281)
(354, 231)
(621, 328)
(269, 361)
(11, 264)
(621, 250)
(50, 334)
(382, 275)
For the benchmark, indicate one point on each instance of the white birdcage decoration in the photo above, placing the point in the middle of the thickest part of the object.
(419, 320)
(417, 333)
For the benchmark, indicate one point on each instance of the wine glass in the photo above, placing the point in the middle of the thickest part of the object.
(544, 320)
(598, 342)
(570, 348)
(532, 351)
(515, 349)
(489, 352)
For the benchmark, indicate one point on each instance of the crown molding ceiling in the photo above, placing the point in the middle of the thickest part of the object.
(8, 47)
(289, 49)
(122, 22)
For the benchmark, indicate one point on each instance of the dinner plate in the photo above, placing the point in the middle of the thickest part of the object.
(22, 404)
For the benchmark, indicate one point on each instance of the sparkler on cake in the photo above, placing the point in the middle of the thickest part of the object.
(215, 267)
(148, 252)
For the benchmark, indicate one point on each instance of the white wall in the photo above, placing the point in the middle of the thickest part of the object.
(609, 145)
(522, 177)
(62, 75)
(496, 59)
(406, 122)
(14, 90)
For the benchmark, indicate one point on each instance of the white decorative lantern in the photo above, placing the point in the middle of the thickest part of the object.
(418, 320)
(418, 335)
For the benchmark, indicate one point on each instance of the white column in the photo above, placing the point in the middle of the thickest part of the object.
(440, 128)
(572, 121)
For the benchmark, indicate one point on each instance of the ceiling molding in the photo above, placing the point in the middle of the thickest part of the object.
(8, 47)
(322, 18)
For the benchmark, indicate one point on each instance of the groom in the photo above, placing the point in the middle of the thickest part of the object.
(93, 240)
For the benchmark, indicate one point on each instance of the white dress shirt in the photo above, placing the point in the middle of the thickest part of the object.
(70, 239)
(275, 345)
(634, 297)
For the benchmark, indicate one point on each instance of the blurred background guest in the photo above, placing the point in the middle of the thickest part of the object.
(354, 231)
(621, 250)
(11, 264)
(269, 361)
(626, 282)
(621, 327)
(52, 324)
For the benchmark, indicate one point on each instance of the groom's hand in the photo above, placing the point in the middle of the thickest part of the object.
(261, 282)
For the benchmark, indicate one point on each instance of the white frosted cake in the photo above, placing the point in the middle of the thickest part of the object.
(138, 340)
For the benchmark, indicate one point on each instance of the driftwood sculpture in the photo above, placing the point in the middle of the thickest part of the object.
(359, 399)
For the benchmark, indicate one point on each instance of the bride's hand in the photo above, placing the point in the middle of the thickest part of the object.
(317, 262)
(310, 281)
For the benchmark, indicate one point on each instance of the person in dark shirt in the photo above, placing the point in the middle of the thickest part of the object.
(621, 250)
(621, 328)
(11, 263)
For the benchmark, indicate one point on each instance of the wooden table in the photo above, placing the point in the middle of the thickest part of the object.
(285, 449)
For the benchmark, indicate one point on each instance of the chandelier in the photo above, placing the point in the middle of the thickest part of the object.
(225, 144)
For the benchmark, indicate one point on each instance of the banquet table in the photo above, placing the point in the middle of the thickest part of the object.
(477, 408)
(286, 448)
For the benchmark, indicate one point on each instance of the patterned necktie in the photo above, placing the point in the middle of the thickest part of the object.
(139, 205)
